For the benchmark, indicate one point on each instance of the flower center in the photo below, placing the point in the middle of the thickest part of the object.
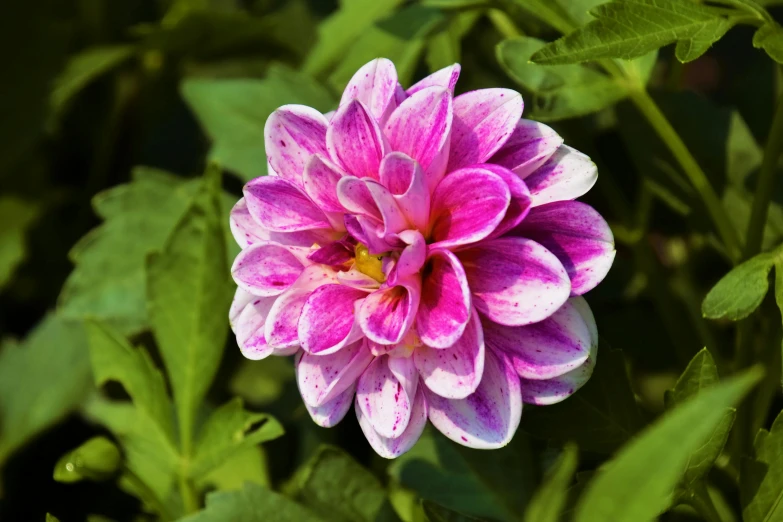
(369, 264)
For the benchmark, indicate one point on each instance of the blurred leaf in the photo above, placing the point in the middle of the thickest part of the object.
(437, 513)
(97, 459)
(233, 113)
(51, 518)
(761, 479)
(743, 154)
(740, 291)
(548, 501)
(579, 10)
(340, 489)
(16, 217)
(41, 380)
(738, 205)
(229, 430)
(262, 382)
(247, 464)
(770, 38)
(644, 472)
(444, 46)
(252, 504)
(630, 28)
(560, 91)
(550, 12)
(600, 417)
(400, 37)
(189, 291)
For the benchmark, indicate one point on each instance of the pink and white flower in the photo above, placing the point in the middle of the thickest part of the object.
(423, 256)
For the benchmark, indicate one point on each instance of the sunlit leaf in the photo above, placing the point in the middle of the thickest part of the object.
(247, 464)
(770, 38)
(740, 291)
(16, 217)
(547, 504)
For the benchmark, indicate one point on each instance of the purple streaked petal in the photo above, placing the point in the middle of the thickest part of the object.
(374, 84)
(247, 317)
(266, 269)
(467, 206)
(335, 254)
(567, 175)
(291, 135)
(528, 147)
(320, 183)
(334, 411)
(383, 399)
(421, 128)
(327, 320)
(389, 448)
(515, 281)
(354, 140)
(387, 314)
(489, 417)
(323, 377)
(411, 258)
(446, 78)
(355, 196)
(281, 206)
(444, 310)
(404, 178)
(368, 231)
(579, 237)
(248, 232)
(454, 372)
(520, 202)
(483, 122)
(393, 219)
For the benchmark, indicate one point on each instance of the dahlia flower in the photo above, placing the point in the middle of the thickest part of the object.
(423, 257)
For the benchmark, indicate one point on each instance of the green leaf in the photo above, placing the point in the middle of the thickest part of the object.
(437, 513)
(262, 382)
(743, 154)
(340, 489)
(550, 12)
(16, 217)
(229, 430)
(644, 473)
(252, 504)
(761, 479)
(51, 518)
(740, 291)
(233, 113)
(559, 91)
(548, 502)
(189, 291)
(247, 464)
(41, 380)
(600, 417)
(107, 282)
(630, 28)
(97, 459)
(770, 38)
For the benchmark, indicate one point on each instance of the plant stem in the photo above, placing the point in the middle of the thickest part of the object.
(702, 502)
(188, 493)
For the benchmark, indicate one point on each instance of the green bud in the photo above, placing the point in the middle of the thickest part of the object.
(97, 459)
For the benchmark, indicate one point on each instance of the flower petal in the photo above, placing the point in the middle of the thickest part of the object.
(520, 202)
(332, 412)
(446, 78)
(383, 399)
(579, 237)
(404, 178)
(354, 140)
(387, 314)
(467, 206)
(368, 231)
(281, 206)
(528, 147)
(320, 183)
(411, 258)
(454, 372)
(374, 84)
(266, 269)
(291, 135)
(247, 317)
(393, 219)
(327, 320)
(515, 281)
(444, 310)
(566, 175)
(483, 121)
(489, 417)
(390, 448)
(323, 377)
(248, 232)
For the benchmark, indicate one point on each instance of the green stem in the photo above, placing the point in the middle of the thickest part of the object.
(147, 494)
(188, 493)
(702, 502)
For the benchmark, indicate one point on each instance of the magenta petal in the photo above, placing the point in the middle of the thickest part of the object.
(528, 147)
(374, 84)
(467, 206)
(411, 258)
(281, 206)
(291, 135)
(454, 372)
(404, 178)
(384, 399)
(247, 317)
(393, 219)
(368, 231)
(421, 128)
(567, 175)
(390, 448)
(515, 281)
(446, 78)
(244, 228)
(323, 377)
(489, 417)
(579, 237)
(520, 202)
(387, 314)
(266, 269)
(444, 309)
(356, 198)
(354, 140)
(327, 320)
(483, 121)
(320, 183)
(332, 412)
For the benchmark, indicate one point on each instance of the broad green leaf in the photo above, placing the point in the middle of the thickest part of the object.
(229, 430)
(644, 473)
(83, 68)
(400, 37)
(252, 504)
(42, 379)
(630, 28)
(559, 91)
(107, 282)
(761, 479)
(16, 217)
(740, 291)
(233, 113)
(248, 464)
(340, 489)
(600, 417)
(547, 504)
(770, 38)
(437, 513)
(97, 459)
(189, 291)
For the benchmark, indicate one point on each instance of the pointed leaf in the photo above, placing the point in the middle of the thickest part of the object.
(770, 38)
(740, 291)
(548, 501)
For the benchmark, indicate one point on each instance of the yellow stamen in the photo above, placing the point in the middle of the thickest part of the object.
(369, 264)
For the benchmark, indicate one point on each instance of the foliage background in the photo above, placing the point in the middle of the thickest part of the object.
(113, 109)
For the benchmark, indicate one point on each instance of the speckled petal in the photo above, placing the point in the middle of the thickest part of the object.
(374, 84)
(518, 206)
(321, 378)
(327, 322)
(387, 314)
(446, 78)
(354, 141)
(331, 413)
(567, 175)
(247, 317)
(291, 135)
(266, 269)
(320, 183)
(405, 180)
(390, 448)
(444, 309)
(383, 399)
(528, 147)
(281, 206)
